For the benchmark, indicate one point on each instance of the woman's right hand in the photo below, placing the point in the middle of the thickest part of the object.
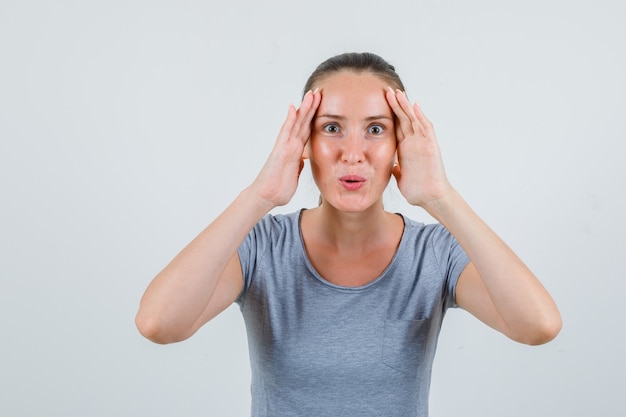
(206, 276)
(277, 182)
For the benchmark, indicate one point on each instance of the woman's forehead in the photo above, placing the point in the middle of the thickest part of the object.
(349, 93)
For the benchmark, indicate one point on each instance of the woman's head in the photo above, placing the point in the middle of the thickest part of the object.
(356, 62)
(353, 142)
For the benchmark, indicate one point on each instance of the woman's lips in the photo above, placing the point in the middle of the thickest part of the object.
(352, 182)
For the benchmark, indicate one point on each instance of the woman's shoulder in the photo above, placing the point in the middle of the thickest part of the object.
(281, 219)
(417, 225)
(276, 224)
(416, 229)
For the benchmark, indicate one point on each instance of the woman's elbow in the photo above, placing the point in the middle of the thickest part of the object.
(149, 328)
(543, 330)
(155, 330)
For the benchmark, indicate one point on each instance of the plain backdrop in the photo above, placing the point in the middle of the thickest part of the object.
(127, 126)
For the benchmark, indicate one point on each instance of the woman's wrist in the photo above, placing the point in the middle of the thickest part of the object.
(444, 208)
(256, 200)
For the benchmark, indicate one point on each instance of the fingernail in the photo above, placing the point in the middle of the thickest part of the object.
(317, 89)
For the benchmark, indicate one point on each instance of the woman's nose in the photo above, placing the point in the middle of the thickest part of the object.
(352, 151)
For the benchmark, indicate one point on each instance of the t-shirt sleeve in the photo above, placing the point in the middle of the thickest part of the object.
(251, 252)
(452, 261)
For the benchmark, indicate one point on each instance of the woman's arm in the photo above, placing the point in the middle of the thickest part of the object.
(203, 279)
(206, 277)
(496, 286)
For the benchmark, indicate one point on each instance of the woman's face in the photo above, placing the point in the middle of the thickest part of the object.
(353, 142)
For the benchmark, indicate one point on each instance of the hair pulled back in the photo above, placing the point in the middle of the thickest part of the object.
(356, 62)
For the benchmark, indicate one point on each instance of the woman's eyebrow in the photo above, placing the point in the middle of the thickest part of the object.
(330, 116)
(338, 117)
(382, 116)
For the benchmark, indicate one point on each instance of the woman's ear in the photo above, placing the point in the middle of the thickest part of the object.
(306, 150)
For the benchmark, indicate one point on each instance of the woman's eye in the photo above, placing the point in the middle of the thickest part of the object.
(331, 128)
(375, 130)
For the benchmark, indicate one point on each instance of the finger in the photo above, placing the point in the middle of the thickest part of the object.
(409, 110)
(306, 114)
(310, 111)
(404, 127)
(390, 96)
(426, 124)
(392, 100)
(285, 130)
(301, 111)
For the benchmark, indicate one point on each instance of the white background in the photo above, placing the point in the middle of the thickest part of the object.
(127, 126)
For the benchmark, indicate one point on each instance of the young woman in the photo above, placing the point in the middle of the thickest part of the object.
(343, 303)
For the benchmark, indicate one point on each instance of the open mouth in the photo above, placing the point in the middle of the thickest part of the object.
(352, 182)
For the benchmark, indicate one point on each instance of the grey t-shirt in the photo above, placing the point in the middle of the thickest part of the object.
(321, 350)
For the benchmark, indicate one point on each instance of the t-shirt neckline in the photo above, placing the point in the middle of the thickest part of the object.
(345, 288)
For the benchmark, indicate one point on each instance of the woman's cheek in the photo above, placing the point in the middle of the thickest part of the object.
(386, 152)
(320, 149)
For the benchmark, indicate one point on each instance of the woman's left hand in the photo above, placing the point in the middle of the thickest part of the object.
(419, 170)
(497, 287)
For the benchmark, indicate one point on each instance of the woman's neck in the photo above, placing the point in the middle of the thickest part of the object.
(351, 232)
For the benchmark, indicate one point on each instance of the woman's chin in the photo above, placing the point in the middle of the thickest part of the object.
(351, 203)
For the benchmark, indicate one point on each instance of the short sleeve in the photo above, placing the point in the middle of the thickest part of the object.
(251, 252)
(452, 261)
